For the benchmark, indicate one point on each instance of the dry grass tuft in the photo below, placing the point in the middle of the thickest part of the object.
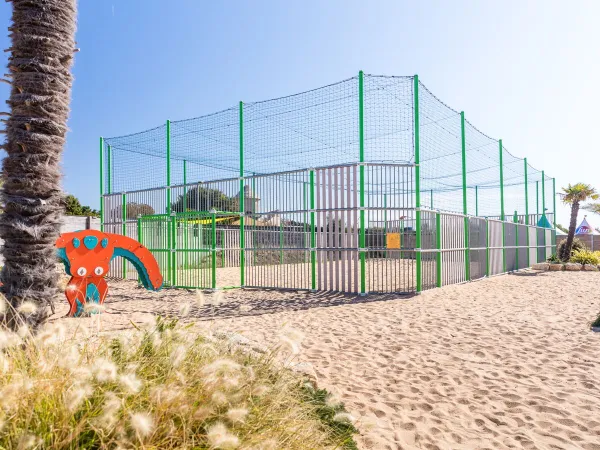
(157, 387)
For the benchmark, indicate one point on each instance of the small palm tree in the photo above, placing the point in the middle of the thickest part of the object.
(42, 37)
(574, 195)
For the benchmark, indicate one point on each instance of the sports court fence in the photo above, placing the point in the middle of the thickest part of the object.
(368, 185)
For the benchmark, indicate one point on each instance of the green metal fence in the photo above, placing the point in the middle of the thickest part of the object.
(371, 184)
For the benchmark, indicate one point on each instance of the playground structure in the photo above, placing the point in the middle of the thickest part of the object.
(371, 184)
(87, 255)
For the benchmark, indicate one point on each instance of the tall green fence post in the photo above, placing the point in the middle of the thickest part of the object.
(108, 168)
(242, 211)
(173, 253)
(502, 218)
(305, 218)
(544, 208)
(526, 193)
(168, 132)
(185, 217)
(124, 228)
(527, 210)
(543, 193)
(417, 185)
(487, 247)
(213, 250)
(516, 221)
(172, 259)
(438, 239)
(464, 192)
(313, 252)
(476, 201)
(185, 205)
(554, 214)
(431, 199)
(361, 136)
(101, 184)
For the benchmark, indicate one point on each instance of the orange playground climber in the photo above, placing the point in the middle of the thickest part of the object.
(87, 255)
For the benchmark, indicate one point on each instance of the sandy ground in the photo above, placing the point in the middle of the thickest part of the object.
(506, 362)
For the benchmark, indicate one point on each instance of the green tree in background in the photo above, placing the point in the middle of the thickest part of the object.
(200, 198)
(73, 207)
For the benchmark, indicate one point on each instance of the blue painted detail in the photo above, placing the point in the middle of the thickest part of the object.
(79, 310)
(76, 242)
(139, 266)
(62, 255)
(92, 294)
(104, 242)
(90, 242)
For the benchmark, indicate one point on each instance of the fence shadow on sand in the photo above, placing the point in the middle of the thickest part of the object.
(128, 298)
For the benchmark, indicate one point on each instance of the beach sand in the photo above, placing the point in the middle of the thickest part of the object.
(506, 362)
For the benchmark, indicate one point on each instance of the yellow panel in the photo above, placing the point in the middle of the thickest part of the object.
(393, 240)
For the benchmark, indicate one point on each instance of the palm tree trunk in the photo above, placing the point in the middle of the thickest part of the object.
(566, 249)
(43, 43)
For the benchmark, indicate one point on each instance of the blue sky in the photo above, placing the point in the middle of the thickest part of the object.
(523, 71)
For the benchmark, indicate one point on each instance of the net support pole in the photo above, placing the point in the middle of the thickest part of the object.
(313, 252)
(431, 198)
(213, 250)
(101, 184)
(526, 210)
(108, 168)
(516, 221)
(464, 193)
(242, 212)
(173, 253)
(438, 240)
(124, 228)
(543, 193)
(487, 247)
(361, 136)
(476, 201)
(554, 216)
(502, 218)
(417, 185)
(544, 208)
(185, 205)
(168, 167)
(185, 220)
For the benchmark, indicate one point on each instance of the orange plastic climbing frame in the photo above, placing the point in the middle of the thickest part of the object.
(87, 255)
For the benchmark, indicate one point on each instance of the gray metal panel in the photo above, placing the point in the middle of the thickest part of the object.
(541, 251)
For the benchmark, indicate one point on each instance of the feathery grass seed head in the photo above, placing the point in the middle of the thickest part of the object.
(219, 437)
(27, 308)
(142, 423)
(237, 415)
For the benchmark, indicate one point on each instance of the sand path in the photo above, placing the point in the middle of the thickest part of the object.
(507, 362)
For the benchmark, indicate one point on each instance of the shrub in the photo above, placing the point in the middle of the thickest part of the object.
(553, 258)
(162, 387)
(585, 257)
(577, 245)
(596, 323)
